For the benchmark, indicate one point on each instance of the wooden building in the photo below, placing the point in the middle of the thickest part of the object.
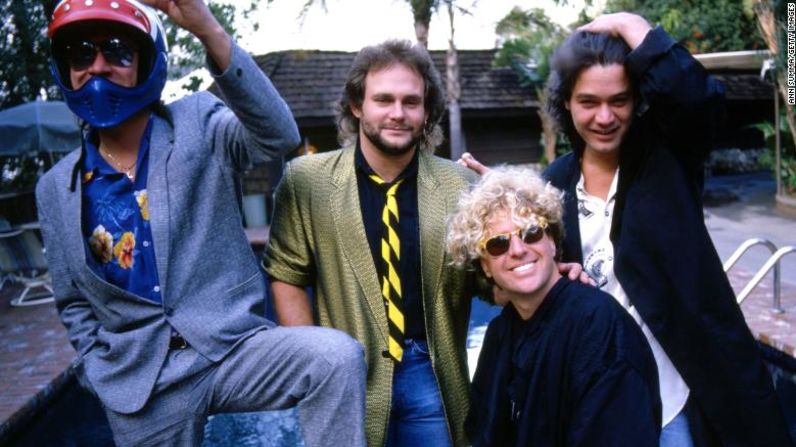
(499, 113)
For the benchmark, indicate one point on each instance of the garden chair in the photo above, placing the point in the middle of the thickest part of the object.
(22, 261)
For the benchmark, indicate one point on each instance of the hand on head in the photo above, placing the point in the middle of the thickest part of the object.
(632, 28)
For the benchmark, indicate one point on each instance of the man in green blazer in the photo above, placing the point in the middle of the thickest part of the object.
(364, 226)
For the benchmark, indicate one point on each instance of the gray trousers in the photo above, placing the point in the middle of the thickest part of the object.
(320, 371)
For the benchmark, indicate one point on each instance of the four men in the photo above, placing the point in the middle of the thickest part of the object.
(162, 299)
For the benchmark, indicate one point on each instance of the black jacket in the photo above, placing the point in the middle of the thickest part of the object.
(579, 372)
(664, 258)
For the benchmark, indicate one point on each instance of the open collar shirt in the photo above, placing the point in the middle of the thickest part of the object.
(119, 247)
(372, 199)
(594, 218)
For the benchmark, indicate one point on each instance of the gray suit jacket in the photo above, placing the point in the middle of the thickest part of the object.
(211, 287)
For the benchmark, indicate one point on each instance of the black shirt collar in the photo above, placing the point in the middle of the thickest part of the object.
(363, 166)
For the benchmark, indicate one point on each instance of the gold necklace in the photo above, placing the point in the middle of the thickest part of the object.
(128, 171)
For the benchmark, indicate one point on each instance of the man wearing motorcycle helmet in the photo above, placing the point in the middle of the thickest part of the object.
(153, 276)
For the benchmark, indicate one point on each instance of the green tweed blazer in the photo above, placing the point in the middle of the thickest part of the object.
(318, 238)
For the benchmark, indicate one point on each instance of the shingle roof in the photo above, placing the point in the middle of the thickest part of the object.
(311, 80)
(744, 86)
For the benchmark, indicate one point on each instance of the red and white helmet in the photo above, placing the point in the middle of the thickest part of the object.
(128, 12)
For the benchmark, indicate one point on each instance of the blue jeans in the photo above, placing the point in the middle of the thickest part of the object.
(416, 416)
(677, 433)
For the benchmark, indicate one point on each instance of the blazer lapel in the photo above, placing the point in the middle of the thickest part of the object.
(350, 234)
(432, 213)
(75, 240)
(73, 212)
(161, 145)
(572, 247)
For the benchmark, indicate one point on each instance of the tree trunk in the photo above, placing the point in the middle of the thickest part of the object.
(549, 134)
(458, 145)
(422, 10)
(549, 137)
(421, 32)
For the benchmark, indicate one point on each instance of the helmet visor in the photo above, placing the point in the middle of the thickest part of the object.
(76, 47)
(80, 54)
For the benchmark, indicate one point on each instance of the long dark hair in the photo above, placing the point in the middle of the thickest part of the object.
(578, 52)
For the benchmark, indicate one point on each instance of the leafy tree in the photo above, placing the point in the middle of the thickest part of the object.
(24, 51)
(526, 40)
(422, 10)
(787, 159)
(702, 26)
(186, 52)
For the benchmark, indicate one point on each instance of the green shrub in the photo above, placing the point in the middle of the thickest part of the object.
(787, 154)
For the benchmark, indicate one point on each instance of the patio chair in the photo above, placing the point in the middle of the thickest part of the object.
(22, 261)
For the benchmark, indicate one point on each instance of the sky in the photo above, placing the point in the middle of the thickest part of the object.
(349, 25)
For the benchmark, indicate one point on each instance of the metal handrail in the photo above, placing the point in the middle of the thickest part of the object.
(749, 243)
(743, 248)
(773, 261)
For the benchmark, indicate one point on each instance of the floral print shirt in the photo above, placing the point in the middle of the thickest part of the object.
(119, 247)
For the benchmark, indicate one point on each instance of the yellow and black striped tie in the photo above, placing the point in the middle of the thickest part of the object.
(390, 281)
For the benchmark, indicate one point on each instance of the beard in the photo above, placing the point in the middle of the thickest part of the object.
(391, 149)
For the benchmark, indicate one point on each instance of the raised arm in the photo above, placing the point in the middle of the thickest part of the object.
(631, 28)
(255, 125)
(195, 17)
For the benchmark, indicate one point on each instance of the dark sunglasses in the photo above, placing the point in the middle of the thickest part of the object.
(499, 244)
(81, 54)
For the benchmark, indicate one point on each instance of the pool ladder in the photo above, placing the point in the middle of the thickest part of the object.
(772, 262)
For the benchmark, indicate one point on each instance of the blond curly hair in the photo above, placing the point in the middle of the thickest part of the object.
(519, 192)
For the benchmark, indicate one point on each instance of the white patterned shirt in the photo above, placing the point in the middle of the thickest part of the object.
(594, 219)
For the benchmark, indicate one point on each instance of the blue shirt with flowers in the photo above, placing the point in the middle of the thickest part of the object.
(116, 223)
